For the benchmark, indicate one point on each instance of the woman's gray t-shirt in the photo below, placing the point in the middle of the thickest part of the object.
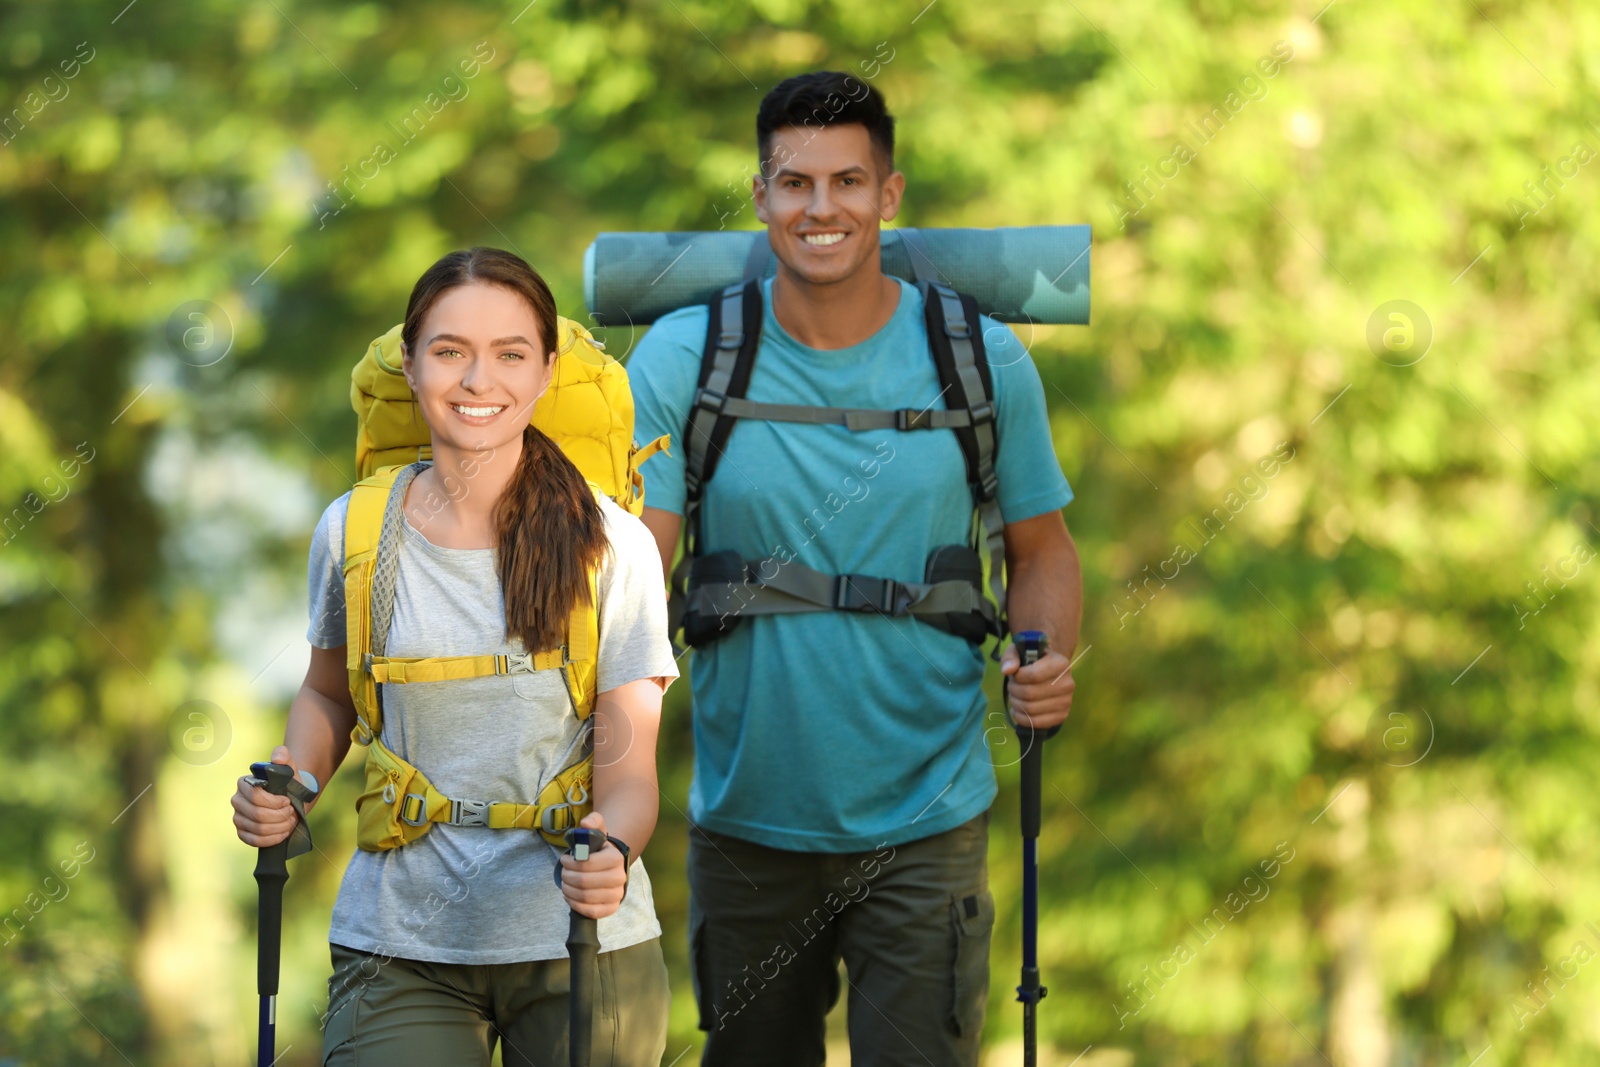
(474, 895)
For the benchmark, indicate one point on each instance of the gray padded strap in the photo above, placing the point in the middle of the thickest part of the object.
(701, 420)
(922, 266)
(966, 360)
(965, 356)
(387, 565)
(995, 542)
(755, 264)
(851, 418)
(795, 588)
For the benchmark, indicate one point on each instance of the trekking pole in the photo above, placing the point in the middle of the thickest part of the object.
(272, 871)
(583, 948)
(1031, 647)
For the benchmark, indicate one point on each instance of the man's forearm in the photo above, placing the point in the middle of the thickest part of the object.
(1046, 593)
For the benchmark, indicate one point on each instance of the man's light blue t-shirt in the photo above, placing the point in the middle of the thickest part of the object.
(839, 731)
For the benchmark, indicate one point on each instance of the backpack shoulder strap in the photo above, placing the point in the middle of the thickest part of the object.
(955, 337)
(363, 531)
(733, 336)
(581, 666)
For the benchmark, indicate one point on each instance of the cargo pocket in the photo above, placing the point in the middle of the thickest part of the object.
(344, 1000)
(971, 923)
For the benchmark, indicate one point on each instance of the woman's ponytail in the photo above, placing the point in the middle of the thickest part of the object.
(551, 536)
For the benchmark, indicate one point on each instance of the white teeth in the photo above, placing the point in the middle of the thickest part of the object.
(478, 412)
(823, 238)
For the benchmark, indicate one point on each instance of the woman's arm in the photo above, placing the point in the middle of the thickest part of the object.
(626, 797)
(627, 720)
(322, 716)
(316, 739)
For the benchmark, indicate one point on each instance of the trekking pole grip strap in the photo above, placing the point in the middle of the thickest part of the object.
(279, 780)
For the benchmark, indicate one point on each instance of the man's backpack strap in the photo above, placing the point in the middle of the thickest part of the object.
(758, 258)
(773, 586)
(733, 336)
(955, 334)
(855, 419)
(922, 265)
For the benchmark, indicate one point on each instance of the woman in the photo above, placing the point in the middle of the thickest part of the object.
(454, 941)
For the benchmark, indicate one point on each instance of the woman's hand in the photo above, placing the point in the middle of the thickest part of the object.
(263, 819)
(594, 887)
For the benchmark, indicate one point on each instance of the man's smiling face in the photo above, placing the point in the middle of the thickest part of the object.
(829, 189)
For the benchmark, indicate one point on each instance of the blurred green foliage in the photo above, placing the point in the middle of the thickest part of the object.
(1378, 657)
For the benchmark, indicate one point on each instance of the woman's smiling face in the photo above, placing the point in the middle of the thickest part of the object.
(478, 368)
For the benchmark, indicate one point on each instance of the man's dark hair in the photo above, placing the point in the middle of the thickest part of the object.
(823, 98)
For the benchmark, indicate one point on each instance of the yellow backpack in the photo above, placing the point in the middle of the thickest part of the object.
(588, 411)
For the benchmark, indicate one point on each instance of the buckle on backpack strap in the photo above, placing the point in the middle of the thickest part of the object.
(421, 809)
(957, 328)
(524, 663)
(906, 419)
(861, 592)
(578, 797)
(983, 411)
(519, 663)
(707, 400)
(469, 813)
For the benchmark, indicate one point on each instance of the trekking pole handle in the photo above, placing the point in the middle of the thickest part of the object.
(273, 777)
(583, 842)
(1032, 645)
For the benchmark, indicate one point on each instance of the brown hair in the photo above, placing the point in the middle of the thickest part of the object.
(547, 522)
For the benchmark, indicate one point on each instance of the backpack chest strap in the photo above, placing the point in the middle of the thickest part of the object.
(399, 670)
(737, 407)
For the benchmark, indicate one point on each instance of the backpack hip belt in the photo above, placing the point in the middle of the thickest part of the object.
(399, 804)
(722, 588)
(713, 591)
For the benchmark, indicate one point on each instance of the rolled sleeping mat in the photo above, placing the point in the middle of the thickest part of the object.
(1016, 273)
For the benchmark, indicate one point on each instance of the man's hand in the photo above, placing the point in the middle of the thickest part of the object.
(263, 819)
(1040, 693)
(594, 886)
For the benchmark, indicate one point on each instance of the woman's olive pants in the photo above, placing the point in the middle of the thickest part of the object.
(397, 1012)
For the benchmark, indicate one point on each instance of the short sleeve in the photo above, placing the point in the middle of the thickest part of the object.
(1031, 481)
(633, 607)
(662, 373)
(325, 578)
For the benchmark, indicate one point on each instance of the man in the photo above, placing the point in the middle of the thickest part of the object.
(842, 776)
